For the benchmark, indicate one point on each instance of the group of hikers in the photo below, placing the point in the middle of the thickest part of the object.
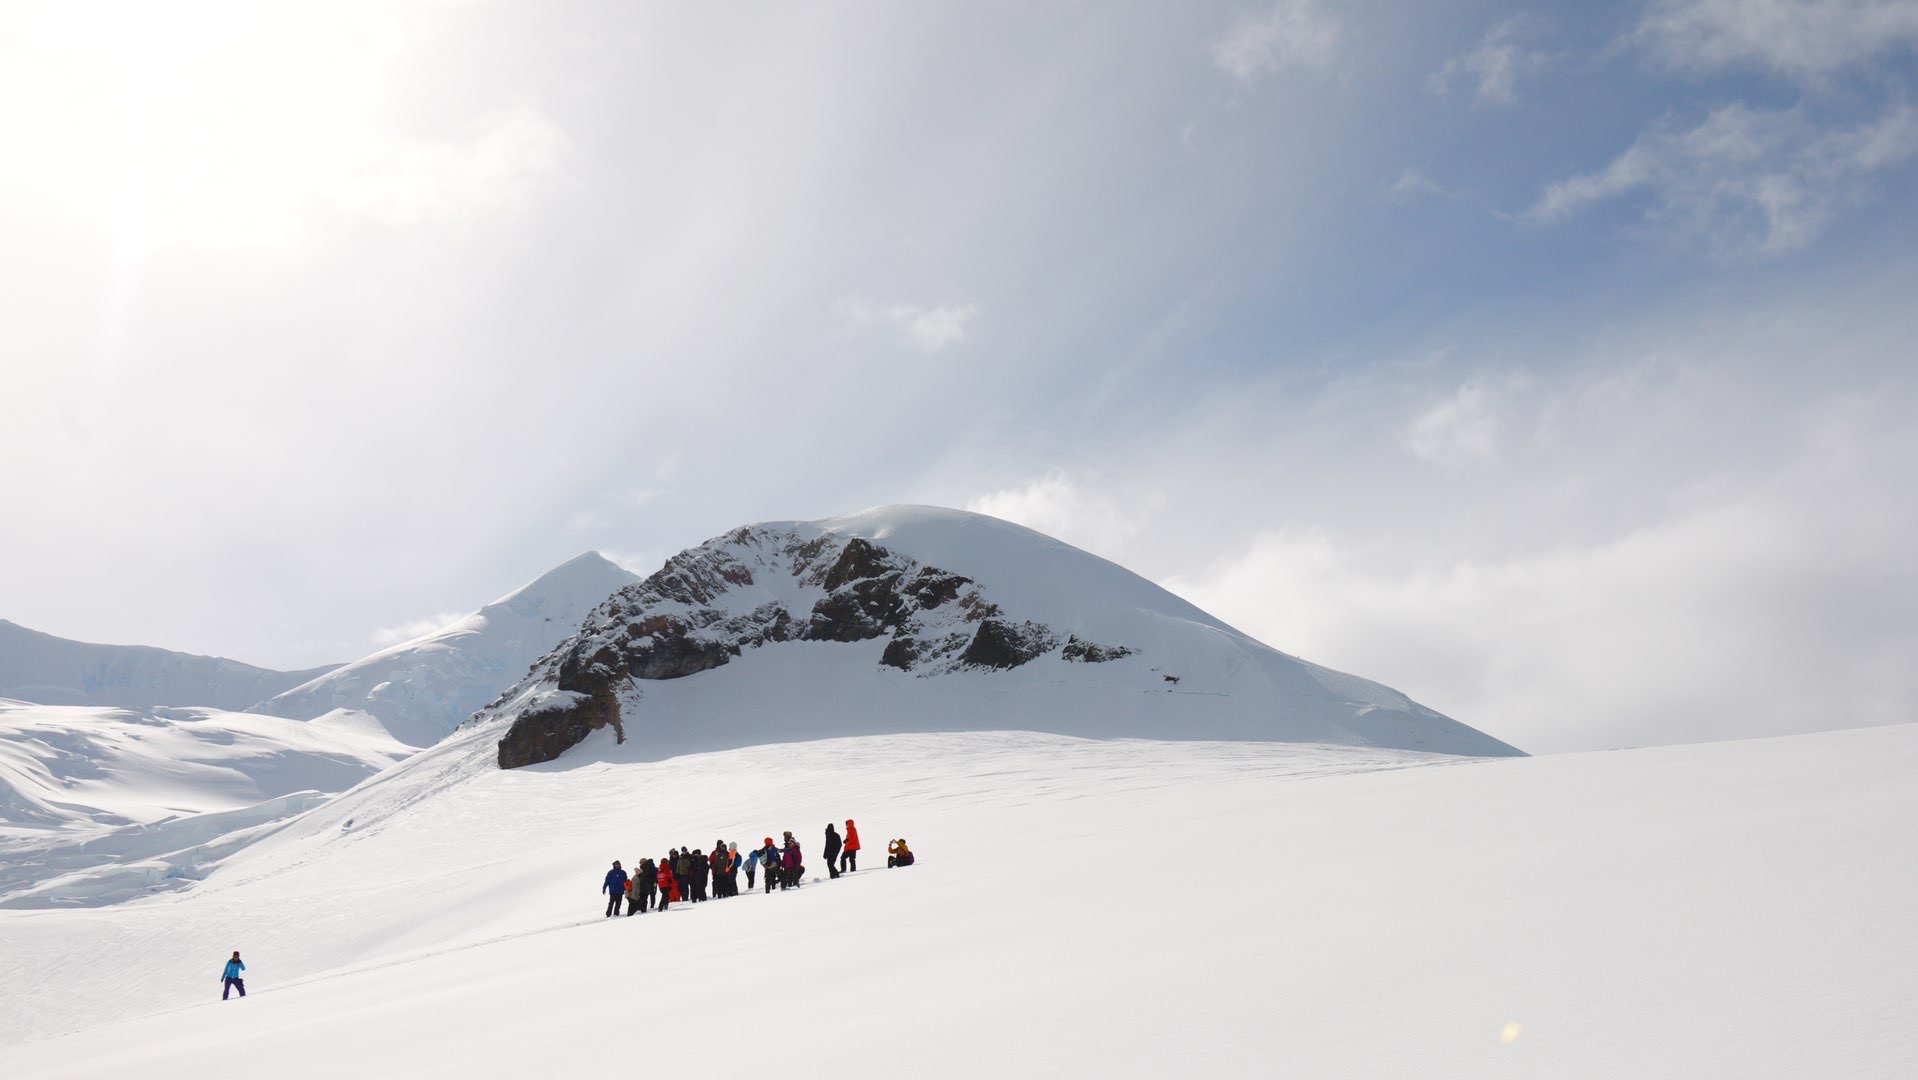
(685, 873)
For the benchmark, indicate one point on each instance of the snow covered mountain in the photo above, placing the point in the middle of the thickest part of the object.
(97, 805)
(913, 618)
(421, 689)
(51, 670)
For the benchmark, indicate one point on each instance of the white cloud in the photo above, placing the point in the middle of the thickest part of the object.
(407, 631)
(928, 328)
(643, 563)
(1774, 606)
(1062, 507)
(1800, 38)
(1461, 429)
(616, 508)
(409, 181)
(1290, 33)
(1494, 67)
(1744, 179)
(224, 125)
(1413, 183)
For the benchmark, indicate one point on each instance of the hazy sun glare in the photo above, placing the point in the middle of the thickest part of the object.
(229, 123)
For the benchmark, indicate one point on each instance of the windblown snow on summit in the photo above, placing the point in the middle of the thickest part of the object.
(916, 618)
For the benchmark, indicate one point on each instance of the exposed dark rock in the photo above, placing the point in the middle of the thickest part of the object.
(977, 607)
(861, 610)
(1086, 652)
(1000, 644)
(901, 653)
(931, 587)
(667, 649)
(859, 559)
(546, 733)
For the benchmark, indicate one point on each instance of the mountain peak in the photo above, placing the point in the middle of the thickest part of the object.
(919, 618)
(423, 688)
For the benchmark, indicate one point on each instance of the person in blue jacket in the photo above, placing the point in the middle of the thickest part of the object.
(752, 867)
(615, 889)
(230, 978)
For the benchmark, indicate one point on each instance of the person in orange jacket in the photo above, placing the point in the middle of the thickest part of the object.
(849, 855)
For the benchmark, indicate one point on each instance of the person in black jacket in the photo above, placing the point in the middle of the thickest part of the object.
(769, 864)
(832, 850)
(645, 887)
(683, 869)
(615, 889)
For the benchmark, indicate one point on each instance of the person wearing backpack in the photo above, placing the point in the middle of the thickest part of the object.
(615, 889)
(769, 858)
(832, 851)
(230, 979)
(849, 857)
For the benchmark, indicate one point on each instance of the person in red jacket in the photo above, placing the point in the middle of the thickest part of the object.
(849, 855)
(668, 884)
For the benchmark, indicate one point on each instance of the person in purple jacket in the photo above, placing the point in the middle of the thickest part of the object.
(790, 862)
(615, 889)
(230, 979)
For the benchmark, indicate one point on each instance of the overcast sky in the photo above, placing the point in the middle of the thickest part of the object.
(1552, 363)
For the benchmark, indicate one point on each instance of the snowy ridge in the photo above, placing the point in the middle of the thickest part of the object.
(421, 689)
(915, 618)
(51, 670)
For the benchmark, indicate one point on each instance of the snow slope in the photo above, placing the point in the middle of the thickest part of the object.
(423, 688)
(97, 805)
(49, 670)
(914, 618)
(1085, 908)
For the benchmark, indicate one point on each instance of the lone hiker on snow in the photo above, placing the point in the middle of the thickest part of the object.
(832, 851)
(230, 978)
(615, 889)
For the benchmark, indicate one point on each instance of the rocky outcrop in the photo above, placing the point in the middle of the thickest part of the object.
(999, 644)
(694, 615)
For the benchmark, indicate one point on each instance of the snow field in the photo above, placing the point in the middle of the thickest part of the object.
(98, 805)
(1080, 908)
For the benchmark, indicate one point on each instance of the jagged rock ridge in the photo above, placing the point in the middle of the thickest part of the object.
(757, 586)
